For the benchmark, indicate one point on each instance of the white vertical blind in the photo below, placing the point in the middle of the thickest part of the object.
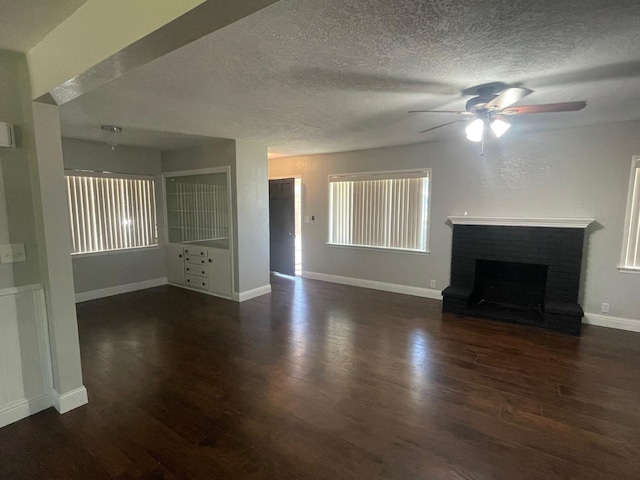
(111, 213)
(386, 210)
(631, 244)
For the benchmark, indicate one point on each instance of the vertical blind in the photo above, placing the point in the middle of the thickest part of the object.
(111, 213)
(631, 244)
(387, 210)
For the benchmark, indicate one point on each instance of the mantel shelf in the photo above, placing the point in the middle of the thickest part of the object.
(522, 222)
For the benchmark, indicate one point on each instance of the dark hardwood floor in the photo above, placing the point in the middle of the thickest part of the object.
(328, 381)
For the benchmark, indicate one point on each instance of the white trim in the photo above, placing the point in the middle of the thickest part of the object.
(21, 289)
(71, 400)
(523, 222)
(380, 249)
(387, 287)
(24, 408)
(120, 289)
(628, 270)
(157, 246)
(629, 324)
(249, 294)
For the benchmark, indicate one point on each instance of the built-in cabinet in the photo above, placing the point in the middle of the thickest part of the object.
(198, 218)
(199, 267)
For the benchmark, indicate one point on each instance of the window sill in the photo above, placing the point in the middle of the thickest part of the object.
(112, 252)
(629, 270)
(379, 249)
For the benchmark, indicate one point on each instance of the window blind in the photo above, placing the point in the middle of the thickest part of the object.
(111, 213)
(387, 210)
(631, 243)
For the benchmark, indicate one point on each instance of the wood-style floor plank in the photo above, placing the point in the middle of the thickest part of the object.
(323, 381)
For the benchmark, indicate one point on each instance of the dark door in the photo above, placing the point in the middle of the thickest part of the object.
(282, 225)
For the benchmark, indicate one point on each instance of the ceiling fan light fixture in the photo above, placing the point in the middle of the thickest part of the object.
(112, 132)
(475, 130)
(499, 127)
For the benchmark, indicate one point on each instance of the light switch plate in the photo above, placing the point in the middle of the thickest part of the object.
(12, 253)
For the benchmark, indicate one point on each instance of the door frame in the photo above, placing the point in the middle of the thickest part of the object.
(296, 176)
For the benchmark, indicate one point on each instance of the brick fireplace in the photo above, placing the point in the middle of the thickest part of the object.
(518, 270)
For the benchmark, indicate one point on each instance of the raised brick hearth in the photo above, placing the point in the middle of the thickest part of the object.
(517, 273)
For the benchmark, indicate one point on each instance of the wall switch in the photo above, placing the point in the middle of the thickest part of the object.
(306, 219)
(605, 308)
(12, 253)
(432, 283)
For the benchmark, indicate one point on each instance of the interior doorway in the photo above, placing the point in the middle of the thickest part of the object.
(285, 237)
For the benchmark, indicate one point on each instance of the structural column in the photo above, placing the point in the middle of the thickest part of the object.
(54, 243)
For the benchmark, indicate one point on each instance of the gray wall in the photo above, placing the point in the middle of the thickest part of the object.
(252, 183)
(17, 220)
(104, 270)
(582, 172)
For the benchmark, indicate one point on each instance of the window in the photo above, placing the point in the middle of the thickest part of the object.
(385, 210)
(110, 213)
(630, 259)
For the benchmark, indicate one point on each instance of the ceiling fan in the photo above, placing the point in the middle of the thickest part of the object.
(487, 111)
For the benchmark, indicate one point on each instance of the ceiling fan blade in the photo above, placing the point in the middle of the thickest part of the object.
(545, 108)
(443, 125)
(507, 98)
(441, 111)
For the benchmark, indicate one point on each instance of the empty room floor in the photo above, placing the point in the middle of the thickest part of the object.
(319, 380)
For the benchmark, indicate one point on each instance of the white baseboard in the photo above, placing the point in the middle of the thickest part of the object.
(608, 321)
(71, 400)
(249, 294)
(24, 408)
(119, 289)
(387, 287)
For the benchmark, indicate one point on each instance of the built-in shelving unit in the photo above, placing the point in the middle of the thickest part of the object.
(198, 219)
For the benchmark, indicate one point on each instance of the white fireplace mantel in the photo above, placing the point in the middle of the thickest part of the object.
(522, 222)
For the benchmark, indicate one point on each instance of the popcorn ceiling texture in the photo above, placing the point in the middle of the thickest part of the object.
(312, 76)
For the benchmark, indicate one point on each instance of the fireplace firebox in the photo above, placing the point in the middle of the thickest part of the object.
(517, 270)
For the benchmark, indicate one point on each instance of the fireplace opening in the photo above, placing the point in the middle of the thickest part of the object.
(510, 288)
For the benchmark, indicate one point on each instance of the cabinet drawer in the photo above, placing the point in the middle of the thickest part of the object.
(196, 260)
(197, 270)
(196, 251)
(197, 282)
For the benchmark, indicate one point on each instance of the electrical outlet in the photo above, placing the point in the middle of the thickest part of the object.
(605, 308)
(433, 283)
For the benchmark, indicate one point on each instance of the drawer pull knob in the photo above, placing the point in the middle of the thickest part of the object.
(209, 260)
(179, 255)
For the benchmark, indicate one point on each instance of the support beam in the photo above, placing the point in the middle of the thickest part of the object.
(104, 40)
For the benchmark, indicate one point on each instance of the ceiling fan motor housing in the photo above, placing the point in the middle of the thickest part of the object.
(477, 103)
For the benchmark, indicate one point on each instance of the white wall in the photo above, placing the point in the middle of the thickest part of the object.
(106, 270)
(581, 172)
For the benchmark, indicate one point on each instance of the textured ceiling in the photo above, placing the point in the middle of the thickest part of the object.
(313, 76)
(23, 23)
